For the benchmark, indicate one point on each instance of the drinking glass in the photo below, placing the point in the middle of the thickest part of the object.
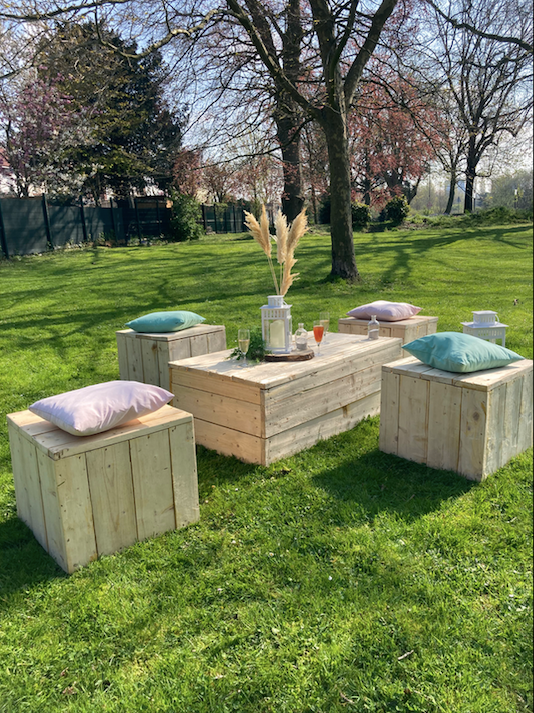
(243, 339)
(324, 318)
(318, 331)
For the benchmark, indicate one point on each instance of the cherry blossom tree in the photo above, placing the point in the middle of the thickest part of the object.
(39, 128)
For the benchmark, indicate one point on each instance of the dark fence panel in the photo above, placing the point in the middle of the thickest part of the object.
(66, 225)
(229, 219)
(24, 226)
(33, 225)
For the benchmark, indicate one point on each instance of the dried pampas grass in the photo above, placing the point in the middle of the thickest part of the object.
(297, 230)
(287, 239)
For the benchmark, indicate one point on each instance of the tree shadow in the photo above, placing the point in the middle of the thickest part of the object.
(377, 482)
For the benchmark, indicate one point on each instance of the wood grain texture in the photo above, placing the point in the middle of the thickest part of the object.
(413, 419)
(27, 484)
(184, 474)
(389, 413)
(112, 498)
(152, 483)
(76, 515)
(445, 402)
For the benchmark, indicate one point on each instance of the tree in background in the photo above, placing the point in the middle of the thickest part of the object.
(488, 81)
(392, 131)
(135, 137)
(40, 132)
(512, 190)
(187, 172)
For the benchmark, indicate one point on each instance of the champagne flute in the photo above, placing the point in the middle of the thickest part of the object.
(324, 318)
(318, 331)
(243, 339)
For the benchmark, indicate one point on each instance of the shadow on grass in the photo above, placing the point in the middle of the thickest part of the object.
(378, 482)
(23, 562)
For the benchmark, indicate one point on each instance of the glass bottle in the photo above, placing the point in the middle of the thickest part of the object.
(373, 328)
(301, 337)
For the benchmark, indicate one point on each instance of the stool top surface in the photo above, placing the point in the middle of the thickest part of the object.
(57, 443)
(484, 380)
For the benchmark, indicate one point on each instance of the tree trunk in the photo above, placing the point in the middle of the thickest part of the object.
(292, 197)
(343, 259)
(452, 188)
(470, 174)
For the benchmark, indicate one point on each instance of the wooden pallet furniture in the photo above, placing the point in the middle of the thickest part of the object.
(470, 423)
(88, 496)
(261, 413)
(146, 357)
(406, 329)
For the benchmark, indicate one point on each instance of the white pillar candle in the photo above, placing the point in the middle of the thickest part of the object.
(277, 334)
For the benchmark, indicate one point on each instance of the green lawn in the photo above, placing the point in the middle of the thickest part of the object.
(341, 579)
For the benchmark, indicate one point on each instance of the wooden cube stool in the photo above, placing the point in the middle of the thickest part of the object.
(471, 423)
(146, 357)
(406, 329)
(93, 495)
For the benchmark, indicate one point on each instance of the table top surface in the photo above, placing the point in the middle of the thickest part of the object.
(337, 348)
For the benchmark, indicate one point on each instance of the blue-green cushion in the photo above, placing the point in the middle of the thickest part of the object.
(454, 351)
(165, 321)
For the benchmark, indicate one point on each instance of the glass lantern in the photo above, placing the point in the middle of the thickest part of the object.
(276, 325)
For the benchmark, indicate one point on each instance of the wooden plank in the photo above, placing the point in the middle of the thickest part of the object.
(60, 444)
(205, 382)
(308, 434)
(471, 456)
(511, 420)
(492, 378)
(199, 345)
(217, 340)
(242, 415)
(149, 357)
(229, 442)
(184, 474)
(175, 350)
(55, 537)
(413, 419)
(152, 482)
(76, 514)
(323, 375)
(27, 484)
(313, 401)
(524, 435)
(112, 498)
(389, 413)
(135, 359)
(124, 372)
(493, 456)
(445, 403)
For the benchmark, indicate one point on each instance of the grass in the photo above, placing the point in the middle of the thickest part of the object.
(341, 579)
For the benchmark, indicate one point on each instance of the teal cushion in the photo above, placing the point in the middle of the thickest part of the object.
(453, 351)
(165, 321)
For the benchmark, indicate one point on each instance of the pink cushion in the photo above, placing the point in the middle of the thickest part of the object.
(100, 407)
(385, 311)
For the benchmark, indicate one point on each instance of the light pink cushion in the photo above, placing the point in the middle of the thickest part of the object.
(100, 407)
(385, 311)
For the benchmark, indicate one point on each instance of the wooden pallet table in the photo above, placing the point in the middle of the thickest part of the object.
(261, 413)
(470, 423)
(406, 329)
(93, 495)
(146, 357)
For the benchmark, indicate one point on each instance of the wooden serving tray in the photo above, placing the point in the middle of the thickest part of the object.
(301, 355)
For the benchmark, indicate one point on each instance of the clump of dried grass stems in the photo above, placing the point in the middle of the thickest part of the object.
(286, 238)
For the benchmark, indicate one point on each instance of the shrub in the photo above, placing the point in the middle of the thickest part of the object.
(361, 215)
(186, 217)
(396, 210)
